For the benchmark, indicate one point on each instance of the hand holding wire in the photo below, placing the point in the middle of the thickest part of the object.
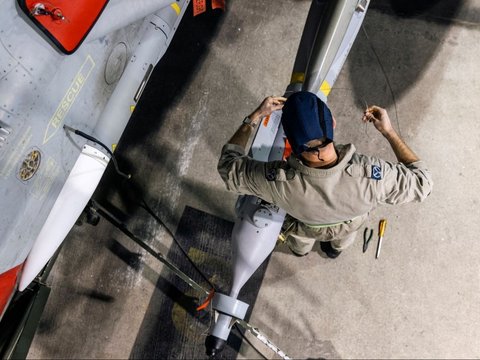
(379, 117)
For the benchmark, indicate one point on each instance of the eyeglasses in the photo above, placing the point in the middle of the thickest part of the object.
(316, 149)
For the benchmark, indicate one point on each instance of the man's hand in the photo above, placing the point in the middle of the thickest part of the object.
(244, 133)
(380, 119)
(268, 105)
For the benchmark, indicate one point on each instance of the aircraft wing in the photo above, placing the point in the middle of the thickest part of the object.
(47, 173)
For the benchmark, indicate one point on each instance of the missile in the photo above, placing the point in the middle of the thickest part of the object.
(254, 235)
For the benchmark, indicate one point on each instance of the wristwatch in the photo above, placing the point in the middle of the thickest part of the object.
(248, 121)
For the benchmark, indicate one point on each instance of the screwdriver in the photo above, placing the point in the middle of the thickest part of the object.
(381, 231)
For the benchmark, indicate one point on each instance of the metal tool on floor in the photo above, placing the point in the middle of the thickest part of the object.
(381, 232)
(366, 240)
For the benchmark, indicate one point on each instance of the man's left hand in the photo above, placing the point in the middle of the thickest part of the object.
(268, 105)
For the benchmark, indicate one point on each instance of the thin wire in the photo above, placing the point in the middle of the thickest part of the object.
(210, 320)
(448, 20)
(96, 141)
(144, 204)
(147, 208)
(440, 19)
(248, 341)
(386, 78)
(366, 124)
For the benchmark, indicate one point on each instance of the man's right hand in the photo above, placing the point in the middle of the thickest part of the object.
(380, 119)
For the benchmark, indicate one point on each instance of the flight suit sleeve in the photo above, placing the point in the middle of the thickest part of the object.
(404, 183)
(243, 174)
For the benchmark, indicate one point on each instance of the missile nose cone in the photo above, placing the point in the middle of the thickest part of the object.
(213, 345)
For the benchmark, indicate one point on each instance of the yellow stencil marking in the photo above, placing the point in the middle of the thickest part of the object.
(325, 88)
(176, 8)
(297, 77)
(69, 98)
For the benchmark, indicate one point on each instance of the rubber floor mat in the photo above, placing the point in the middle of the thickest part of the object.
(172, 328)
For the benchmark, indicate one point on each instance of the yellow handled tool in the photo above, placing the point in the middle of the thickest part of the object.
(381, 231)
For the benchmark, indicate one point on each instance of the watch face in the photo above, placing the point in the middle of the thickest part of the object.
(247, 120)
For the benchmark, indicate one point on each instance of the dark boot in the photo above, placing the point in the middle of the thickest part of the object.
(327, 248)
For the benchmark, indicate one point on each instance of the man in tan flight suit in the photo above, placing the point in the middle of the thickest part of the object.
(327, 189)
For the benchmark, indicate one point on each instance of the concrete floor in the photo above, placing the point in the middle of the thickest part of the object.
(421, 299)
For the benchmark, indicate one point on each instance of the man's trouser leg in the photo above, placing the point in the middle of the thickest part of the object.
(344, 235)
(300, 245)
(342, 244)
(301, 238)
(295, 238)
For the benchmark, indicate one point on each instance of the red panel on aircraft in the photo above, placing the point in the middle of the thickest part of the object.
(8, 280)
(65, 22)
(218, 4)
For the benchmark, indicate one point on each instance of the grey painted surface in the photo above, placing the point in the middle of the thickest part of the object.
(418, 300)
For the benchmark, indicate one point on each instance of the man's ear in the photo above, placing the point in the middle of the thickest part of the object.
(334, 122)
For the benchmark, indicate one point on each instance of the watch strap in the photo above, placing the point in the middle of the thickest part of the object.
(248, 121)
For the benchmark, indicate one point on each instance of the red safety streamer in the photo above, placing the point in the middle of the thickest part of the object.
(207, 301)
(287, 151)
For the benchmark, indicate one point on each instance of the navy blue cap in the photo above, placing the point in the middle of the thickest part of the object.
(305, 117)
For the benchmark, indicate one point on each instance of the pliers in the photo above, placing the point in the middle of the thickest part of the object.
(366, 239)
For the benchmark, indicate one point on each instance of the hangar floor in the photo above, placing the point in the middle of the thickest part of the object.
(420, 299)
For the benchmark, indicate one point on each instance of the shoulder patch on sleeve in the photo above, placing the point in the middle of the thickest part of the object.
(376, 172)
(271, 174)
(278, 171)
